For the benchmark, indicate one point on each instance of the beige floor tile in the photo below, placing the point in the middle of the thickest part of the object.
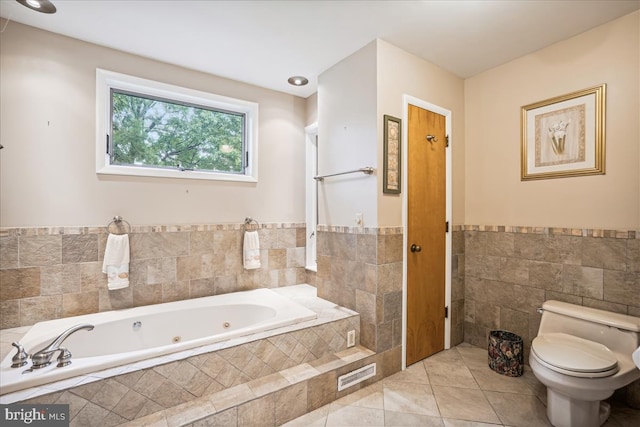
(447, 368)
(539, 389)
(341, 416)
(455, 384)
(474, 357)
(415, 373)
(445, 356)
(489, 380)
(410, 398)
(623, 416)
(463, 423)
(464, 404)
(397, 419)
(611, 422)
(368, 397)
(518, 409)
(317, 418)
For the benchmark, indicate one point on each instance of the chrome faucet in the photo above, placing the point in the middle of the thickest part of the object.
(43, 357)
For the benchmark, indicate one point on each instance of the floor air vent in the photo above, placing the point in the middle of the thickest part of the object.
(357, 376)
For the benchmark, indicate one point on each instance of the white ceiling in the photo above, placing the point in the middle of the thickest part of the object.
(265, 42)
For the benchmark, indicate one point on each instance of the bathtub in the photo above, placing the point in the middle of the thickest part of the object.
(130, 335)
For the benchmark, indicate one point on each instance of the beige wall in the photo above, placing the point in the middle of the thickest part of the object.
(494, 193)
(347, 139)
(47, 168)
(312, 109)
(353, 97)
(401, 73)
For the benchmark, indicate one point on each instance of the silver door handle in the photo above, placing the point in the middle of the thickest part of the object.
(415, 248)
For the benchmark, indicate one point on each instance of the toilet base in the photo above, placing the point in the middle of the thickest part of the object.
(563, 411)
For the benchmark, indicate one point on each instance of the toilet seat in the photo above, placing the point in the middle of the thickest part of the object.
(574, 356)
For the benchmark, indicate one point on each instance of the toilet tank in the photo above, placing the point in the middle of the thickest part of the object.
(618, 332)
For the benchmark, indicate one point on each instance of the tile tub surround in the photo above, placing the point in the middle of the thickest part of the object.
(275, 400)
(510, 271)
(136, 390)
(53, 272)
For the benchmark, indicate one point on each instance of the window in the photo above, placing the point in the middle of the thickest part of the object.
(147, 128)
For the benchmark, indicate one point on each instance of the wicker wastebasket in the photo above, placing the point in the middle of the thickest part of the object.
(506, 353)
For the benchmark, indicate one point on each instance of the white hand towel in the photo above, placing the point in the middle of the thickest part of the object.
(116, 261)
(251, 250)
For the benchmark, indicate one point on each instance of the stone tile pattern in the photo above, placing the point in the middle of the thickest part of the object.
(288, 398)
(361, 269)
(54, 272)
(136, 394)
(456, 311)
(453, 388)
(510, 271)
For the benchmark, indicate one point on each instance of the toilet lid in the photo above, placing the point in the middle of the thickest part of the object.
(574, 354)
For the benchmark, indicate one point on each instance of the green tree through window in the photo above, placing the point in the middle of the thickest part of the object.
(157, 133)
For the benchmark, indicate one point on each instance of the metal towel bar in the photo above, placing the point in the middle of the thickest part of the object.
(368, 170)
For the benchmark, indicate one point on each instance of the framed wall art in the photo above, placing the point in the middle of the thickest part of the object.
(564, 136)
(391, 179)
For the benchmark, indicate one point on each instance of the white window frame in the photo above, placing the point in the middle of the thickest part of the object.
(107, 80)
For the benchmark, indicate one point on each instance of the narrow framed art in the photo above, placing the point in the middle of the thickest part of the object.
(564, 136)
(391, 178)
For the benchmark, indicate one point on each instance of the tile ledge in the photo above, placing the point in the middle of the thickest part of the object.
(161, 228)
(556, 231)
(353, 355)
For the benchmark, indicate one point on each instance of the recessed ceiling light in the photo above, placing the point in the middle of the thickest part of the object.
(44, 6)
(298, 81)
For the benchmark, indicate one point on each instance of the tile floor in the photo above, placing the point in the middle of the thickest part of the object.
(454, 388)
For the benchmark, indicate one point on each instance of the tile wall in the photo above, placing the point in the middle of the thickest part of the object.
(500, 274)
(457, 287)
(54, 272)
(361, 269)
(510, 271)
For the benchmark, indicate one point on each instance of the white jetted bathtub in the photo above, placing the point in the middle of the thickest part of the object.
(130, 335)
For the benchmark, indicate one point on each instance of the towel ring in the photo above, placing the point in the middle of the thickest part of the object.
(247, 224)
(118, 221)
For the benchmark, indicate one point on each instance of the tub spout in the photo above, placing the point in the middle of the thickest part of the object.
(43, 357)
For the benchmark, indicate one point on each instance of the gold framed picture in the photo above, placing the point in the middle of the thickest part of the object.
(392, 159)
(564, 136)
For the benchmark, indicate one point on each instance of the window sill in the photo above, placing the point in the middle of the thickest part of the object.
(168, 173)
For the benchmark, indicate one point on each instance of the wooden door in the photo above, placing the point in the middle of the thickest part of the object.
(426, 234)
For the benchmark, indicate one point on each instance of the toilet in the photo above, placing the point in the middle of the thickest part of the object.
(582, 355)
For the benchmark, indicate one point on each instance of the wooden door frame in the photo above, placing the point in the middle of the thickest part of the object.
(406, 101)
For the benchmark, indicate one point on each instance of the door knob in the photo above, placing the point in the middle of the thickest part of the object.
(416, 248)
